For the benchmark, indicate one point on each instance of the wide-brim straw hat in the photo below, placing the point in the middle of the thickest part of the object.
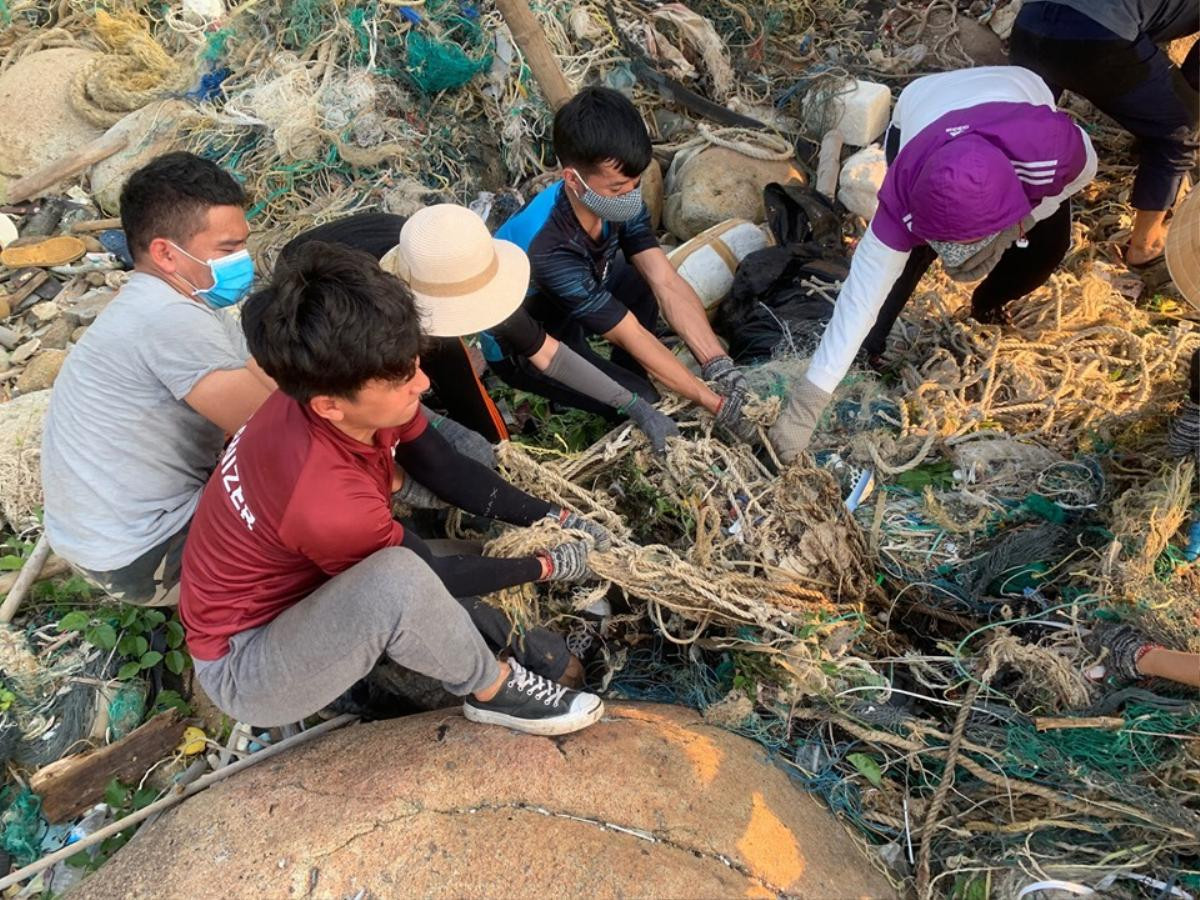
(1183, 248)
(463, 279)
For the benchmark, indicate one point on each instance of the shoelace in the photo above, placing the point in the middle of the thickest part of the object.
(535, 686)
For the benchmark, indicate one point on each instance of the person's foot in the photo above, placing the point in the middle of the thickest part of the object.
(1143, 257)
(573, 674)
(533, 704)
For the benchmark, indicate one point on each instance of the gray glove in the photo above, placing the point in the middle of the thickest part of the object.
(1125, 645)
(726, 377)
(469, 443)
(1183, 434)
(731, 417)
(574, 522)
(655, 425)
(794, 429)
(415, 495)
(568, 562)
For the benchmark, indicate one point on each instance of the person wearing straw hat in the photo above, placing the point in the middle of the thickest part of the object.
(1108, 52)
(1183, 262)
(447, 362)
(296, 576)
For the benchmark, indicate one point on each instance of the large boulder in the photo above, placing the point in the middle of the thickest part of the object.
(717, 184)
(35, 104)
(649, 802)
(152, 130)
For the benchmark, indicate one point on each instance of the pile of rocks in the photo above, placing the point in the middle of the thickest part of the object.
(55, 278)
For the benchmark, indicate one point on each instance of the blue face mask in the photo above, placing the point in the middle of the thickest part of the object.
(232, 277)
(611, 209)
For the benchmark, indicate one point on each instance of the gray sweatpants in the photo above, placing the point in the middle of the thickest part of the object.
(312, 652)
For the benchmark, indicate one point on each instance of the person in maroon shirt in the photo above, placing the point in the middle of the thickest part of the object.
(296, 577)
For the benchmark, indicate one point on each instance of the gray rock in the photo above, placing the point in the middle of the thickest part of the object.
(57, 334)
(78, 333)
(41, 371)
(25, 351)
(90, 305)
(8, 338)
(49, 289)
(41, 313)
(718, 184)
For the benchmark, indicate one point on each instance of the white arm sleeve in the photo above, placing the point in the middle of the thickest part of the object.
(1047, 207)
(873, 270)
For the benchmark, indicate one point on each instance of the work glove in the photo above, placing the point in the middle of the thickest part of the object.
(466, 441)
(731, 416)
(415, 495)
(654, 424)
(572, 521)
(725, 376)
(1183, 434)
(566, 562)
(1124, 644)
(794, 428)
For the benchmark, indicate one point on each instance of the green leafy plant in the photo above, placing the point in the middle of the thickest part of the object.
(15, 551)
(7, 698)
(172, 700)
(65, 593)
(123, 800)
(867, 768)
(128, 631)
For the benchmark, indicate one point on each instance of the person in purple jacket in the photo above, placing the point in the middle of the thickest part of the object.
(981, 169)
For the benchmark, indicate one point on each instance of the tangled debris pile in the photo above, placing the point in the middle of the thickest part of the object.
(916, 661)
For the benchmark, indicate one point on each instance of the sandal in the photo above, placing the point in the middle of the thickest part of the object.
(51, 251)
(1142, 266)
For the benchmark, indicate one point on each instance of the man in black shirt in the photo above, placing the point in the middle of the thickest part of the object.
(576, 232)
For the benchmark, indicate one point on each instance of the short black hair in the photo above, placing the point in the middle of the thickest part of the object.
(598, 125)
(330, 321)
(170, 197)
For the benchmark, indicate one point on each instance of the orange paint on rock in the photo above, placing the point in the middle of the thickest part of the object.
(769, 847)
(758, 892)
(705, 756)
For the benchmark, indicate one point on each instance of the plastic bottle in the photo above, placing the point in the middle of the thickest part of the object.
(65, 876)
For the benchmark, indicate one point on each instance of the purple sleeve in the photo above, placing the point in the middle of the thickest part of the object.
(888, 224)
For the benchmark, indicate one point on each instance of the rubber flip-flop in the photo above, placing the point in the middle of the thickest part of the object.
(113, 240)
(1142, 266)
(53, 251)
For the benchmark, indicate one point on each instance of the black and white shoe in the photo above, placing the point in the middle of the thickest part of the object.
(536, 705)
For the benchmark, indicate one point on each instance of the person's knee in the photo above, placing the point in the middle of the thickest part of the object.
(401, 584)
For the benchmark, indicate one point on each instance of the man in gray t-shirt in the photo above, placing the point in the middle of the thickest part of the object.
(142, 406)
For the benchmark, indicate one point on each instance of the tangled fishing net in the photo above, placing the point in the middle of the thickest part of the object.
(919, 662)
(913, 660)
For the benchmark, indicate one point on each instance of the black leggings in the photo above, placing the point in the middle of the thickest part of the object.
(1020, 270)
(628, 286)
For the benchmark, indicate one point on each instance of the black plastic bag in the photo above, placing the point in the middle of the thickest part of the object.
(796, 214)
